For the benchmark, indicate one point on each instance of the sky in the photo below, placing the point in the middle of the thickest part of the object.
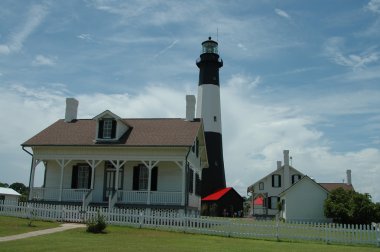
(297, 75)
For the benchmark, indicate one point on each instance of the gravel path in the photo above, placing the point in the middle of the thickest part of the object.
(63, 227)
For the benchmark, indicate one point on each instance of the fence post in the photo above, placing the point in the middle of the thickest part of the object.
(377, 230)
(277, 228)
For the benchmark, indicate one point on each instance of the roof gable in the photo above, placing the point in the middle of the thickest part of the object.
(304, 179)
(281, 170)
(106, 114)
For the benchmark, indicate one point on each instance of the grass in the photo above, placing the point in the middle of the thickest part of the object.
(13, 225)
(133, 239)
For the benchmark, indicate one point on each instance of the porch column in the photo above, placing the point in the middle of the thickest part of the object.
(62, 163)
(117, 165)
(35, 162)
(182, 165)
(93, 164)
(150, 166)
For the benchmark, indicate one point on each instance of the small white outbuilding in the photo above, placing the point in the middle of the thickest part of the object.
(9, 194)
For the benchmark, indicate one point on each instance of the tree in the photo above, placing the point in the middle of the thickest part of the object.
(3, 184)
(19, 187)
(349, 207)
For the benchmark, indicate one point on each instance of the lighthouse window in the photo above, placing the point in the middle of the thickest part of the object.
(214, 118)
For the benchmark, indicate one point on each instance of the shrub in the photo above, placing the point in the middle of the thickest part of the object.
(97, 224)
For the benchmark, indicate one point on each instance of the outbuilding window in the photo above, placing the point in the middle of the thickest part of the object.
(276, 180)
(261, 186)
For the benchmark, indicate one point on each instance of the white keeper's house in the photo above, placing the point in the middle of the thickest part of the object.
(108, 160)
(290, 194)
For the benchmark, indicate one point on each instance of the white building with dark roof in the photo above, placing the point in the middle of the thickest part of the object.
(111, 160)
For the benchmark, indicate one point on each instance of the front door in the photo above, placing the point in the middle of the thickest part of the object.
(109, 180)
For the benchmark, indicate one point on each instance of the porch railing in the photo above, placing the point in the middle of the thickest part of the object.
(52, 194)
(166, 198)
(141, 197)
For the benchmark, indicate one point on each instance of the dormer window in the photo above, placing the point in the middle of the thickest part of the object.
(110, 127)
(107, 129)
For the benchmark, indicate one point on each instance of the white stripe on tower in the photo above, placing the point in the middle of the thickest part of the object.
(209, 107)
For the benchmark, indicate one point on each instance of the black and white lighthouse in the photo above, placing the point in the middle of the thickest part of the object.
(208, 108)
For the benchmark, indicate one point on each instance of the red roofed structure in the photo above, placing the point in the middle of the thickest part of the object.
(225, 202)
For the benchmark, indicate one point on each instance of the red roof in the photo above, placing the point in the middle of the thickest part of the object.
(217, 195)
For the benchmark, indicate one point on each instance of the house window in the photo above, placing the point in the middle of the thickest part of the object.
(2, 197)
(274, 202)
(141, 178)
(261, 186)
(295, 178)
(107, 129)
(81, 176)
(276, 180)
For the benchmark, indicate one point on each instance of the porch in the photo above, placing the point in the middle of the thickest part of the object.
(123, 196)
(159, 182)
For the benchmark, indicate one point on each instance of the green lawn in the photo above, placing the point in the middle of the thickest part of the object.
(134, 239)
(13, 225)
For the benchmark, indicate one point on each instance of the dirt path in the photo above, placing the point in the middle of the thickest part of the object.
(63, 227)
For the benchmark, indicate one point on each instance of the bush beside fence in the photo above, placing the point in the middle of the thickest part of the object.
(176, 221)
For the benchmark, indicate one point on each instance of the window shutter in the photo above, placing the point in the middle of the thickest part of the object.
(100, 130)
(272, 180)
(293, 179)
(89, 177)
(279, 180)
(113, 131)
(269, 206)
(153, 185)
(197, 147)
(74, 177)
(191, 179)
(136, 175)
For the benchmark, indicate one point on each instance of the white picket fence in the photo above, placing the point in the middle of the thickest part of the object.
(176, 221)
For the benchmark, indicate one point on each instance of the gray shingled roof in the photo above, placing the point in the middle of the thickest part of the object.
(143, 132)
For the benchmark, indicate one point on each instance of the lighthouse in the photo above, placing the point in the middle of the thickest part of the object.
(208, 108)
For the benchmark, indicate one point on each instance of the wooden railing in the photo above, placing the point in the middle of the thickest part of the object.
(158, 198)
(52, 194)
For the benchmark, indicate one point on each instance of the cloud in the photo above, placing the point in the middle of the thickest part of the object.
(34, 18)
(241, 46)
(282, 13)
(85, 36)
(333, 49)
(41, 60)
(374, 6)
(166, 48)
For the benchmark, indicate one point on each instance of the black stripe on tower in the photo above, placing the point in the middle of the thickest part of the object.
(209, 63)
(213, 177)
